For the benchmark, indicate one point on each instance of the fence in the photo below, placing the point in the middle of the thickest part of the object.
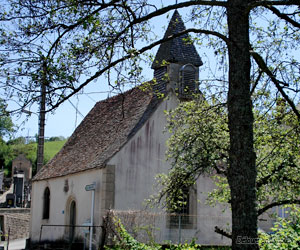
(165, 228)
(69, 236)
(146, 227)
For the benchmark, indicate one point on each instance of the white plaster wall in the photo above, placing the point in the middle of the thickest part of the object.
(136, 166)
(208, 217)
(141, 159)
(59, 202)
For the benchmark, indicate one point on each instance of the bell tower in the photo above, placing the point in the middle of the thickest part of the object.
(176, 64)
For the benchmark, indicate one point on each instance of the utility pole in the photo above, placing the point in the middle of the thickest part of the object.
(42, 114)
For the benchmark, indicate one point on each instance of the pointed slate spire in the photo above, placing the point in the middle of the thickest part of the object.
(176, 50)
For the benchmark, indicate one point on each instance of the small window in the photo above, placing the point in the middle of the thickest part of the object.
(187, 80)
(46, 200)
(281, 211)
(185, 215)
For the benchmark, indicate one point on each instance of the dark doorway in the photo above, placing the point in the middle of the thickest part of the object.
(72, 221)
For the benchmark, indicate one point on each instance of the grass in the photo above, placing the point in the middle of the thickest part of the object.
(52, 148)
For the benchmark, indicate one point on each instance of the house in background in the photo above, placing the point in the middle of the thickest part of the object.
(117, 151)
(22, 165)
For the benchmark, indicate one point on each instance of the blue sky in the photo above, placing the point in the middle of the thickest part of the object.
(69, 115)
(64, 120)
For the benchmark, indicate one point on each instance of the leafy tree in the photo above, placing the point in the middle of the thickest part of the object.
(286, 233)
(200, 143)
(19, 146)
(56, 138)
(6, 124)
(64, 45)
(5, 157)
(6, 130)
(17, 141)
(29, 150)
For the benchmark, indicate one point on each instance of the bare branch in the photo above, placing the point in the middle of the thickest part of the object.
(283, 16)
(137, 52)
(222, 232)
(256, 82)
(261, 63)
(254, 4)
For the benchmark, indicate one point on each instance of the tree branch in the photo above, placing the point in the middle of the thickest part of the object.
(261, 63)
(283, 16)
(277, 203)
(79, 22)
(135, 53)
(266, 178)
(256, 82)
(222, 232)
(254, 4)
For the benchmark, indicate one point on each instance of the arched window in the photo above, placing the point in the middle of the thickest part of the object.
(46, 200)
(187, 79)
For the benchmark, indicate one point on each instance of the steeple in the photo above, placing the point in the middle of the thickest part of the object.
(178, 50)
(176, 64)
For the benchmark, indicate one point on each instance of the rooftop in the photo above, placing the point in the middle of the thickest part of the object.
(178, 50)
(103, 132)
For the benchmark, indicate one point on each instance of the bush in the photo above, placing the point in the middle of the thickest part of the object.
(286, 233)
(124, 241)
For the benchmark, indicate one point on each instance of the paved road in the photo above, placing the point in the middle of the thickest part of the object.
(14, 244)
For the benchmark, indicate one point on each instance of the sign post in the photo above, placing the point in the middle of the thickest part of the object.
(91, 187)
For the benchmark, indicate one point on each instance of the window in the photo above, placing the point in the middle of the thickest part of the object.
(185, 215)
(46, 207)
(281, 211)
(187, 80)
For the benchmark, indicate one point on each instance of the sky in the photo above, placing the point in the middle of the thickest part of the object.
(64, 120)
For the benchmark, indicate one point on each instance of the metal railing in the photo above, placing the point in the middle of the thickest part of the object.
(67, 235)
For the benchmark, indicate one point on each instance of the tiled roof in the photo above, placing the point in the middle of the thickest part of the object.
(177, 50)
(102, 133)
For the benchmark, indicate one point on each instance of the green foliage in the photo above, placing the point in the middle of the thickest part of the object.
(17, 146)
(68, 43)
(124, 241)
(286, 233)
(6, 124)
(17, 141)
(199, 144)
(6, 130)
(5, 156)
(56, 138)
(29, 150)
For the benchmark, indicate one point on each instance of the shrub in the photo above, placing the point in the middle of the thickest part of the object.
(285, 235)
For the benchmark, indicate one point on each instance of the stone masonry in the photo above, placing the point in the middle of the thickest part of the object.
(15, 222)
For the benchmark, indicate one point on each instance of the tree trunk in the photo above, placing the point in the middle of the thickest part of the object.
(242, 170)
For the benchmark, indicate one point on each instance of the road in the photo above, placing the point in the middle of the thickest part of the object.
(14, 244)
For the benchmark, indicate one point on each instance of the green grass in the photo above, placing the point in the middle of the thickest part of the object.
(52, 148)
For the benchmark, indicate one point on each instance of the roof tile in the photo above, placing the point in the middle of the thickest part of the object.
(176, 50)
(103, 132)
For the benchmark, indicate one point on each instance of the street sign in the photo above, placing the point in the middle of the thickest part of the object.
(90, 187)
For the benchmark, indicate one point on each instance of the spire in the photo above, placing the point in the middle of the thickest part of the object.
(176, 50)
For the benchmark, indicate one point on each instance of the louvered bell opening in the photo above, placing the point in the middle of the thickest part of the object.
(159, 87)
(187, 80)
